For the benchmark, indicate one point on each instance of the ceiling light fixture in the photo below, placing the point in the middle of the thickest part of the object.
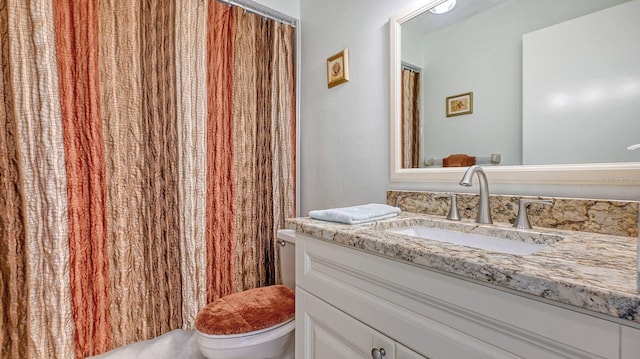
(444, 7)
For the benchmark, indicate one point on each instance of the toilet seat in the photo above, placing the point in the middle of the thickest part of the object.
(257, 323)
(247, 312)
(266, 330)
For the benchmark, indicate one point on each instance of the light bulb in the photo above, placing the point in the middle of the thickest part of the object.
(444, 7)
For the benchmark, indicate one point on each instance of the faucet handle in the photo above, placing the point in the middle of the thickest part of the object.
(522, 220)
(453, 208)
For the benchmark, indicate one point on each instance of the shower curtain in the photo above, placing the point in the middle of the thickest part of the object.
(147, 158)
(410, 118)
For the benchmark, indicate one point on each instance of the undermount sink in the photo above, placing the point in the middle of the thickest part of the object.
(490, 243)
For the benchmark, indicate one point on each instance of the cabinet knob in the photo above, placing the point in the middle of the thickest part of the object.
(377, 353)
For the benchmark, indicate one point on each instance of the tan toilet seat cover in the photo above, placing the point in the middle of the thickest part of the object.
(247, 311)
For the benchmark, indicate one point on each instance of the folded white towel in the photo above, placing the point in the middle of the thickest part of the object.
(356, 214)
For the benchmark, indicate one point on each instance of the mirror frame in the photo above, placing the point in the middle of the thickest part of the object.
(610, 174)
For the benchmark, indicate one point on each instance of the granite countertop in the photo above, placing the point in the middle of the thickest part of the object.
(593, 271)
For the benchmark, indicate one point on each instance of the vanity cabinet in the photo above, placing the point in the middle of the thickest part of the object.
(351, 301)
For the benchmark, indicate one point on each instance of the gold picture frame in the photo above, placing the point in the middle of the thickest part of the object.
(460, 104)
(338, 68)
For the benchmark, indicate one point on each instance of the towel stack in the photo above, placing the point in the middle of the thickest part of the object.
(356, 214)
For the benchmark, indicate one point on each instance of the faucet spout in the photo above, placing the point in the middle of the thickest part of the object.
(484, 212)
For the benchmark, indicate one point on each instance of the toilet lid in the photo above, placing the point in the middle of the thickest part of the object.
(247, 311)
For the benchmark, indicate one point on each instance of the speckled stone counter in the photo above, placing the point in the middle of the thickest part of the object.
(592, 271)
(576, 214)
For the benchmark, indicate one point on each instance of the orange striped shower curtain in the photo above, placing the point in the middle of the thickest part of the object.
(147, 157)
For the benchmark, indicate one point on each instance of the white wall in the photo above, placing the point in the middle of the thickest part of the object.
(344, 144)
(411, 53)
(483, 57)
(344, 131)
(582, 77)
(287, 7)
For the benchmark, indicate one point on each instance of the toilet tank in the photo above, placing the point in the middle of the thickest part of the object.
(286, 243)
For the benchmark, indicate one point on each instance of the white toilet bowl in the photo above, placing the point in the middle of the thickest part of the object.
(269, 343)
(273, 341)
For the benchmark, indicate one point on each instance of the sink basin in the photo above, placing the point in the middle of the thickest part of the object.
(480, 241)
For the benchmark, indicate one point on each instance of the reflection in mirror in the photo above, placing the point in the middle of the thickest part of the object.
(410, 116)
(553, 82)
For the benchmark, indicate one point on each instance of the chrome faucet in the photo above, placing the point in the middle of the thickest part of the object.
(484, 212)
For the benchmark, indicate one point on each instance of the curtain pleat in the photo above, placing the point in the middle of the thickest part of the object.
(288, 56)
(263, 132)
(220, 204)
(77, 50)
(34, 79)
(13, 289)
(191, 46)
(282, 101)
(415, 124)
(120, 102)
(162, 242)
(405, 135)
(244, 90)
(410, 119)
(263, 191)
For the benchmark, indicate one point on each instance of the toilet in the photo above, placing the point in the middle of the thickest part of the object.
(257, 323)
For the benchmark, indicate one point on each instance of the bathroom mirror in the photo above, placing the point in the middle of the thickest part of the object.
(509, 110)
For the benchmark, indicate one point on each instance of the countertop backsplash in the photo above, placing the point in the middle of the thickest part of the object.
(618, 218)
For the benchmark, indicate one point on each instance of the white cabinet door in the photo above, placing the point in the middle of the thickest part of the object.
(331, 334)
(630, 343)
(329, 344)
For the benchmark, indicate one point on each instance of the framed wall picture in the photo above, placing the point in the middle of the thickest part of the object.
(338, 68)
(460, 104)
